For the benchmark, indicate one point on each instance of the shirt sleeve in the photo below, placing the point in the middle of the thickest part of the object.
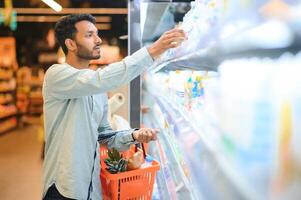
(66, 82)
(120, 140)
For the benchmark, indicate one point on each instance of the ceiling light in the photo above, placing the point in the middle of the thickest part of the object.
(54, 5)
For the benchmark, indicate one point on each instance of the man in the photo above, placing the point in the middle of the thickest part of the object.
(75, 108)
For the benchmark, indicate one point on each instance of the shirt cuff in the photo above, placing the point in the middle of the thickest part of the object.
(128, 138)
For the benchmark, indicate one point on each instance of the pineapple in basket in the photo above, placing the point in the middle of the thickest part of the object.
(115, 162)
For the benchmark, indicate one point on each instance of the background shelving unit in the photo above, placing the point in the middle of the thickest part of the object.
(29, 94)
(8, 108)
(210, 174)
(8, 66)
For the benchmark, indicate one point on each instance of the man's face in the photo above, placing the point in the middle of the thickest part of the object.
(87, 41)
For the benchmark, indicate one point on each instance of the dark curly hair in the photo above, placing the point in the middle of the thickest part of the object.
(65, 27)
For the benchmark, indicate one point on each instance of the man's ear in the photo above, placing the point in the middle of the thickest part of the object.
(70, 44)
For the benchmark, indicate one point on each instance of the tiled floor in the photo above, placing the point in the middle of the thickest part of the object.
(20, 165)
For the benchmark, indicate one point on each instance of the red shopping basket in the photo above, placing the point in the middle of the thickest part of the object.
(129, 185)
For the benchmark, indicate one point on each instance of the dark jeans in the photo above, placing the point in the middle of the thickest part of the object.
(53, 194)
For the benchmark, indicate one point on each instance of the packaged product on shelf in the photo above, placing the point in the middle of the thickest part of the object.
(176, 82)
(188, 97)
(8, 124)
(6, 74)
(6, 98)
(7, 85)
(296, 113)
(8, 52)
(7, 110)
(287, 179)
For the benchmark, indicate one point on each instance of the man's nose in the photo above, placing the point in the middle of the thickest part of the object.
(98, 40)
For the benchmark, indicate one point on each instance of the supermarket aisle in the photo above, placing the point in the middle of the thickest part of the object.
(20, 165)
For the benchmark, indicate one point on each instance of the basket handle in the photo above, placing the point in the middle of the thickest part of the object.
(140, 145)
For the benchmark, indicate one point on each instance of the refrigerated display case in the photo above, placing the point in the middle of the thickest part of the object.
(226, 101)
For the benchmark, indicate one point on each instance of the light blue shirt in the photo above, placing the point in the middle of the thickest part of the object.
(75, 113)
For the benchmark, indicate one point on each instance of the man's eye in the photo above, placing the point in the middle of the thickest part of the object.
(89, 35)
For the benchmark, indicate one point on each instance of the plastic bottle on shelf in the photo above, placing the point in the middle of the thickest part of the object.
(200, 89)
(147, 161)
(179, 89)
(296, 112)
(194, 89)
(197, 92)
(188, 85)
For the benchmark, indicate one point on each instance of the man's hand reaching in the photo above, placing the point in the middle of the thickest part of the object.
(145, 135)
(170, 39)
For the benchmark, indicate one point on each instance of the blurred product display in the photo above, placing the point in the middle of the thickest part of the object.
(23, 82)
(29, 94)
(227, 100)
(8, 109)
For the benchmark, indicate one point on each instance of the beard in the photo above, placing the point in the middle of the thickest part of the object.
(85, 53)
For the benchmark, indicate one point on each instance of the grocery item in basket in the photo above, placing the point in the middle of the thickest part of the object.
(136, 160)
(148, 161)
(115, 162)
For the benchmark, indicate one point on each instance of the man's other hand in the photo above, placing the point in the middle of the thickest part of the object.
(145, 135)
